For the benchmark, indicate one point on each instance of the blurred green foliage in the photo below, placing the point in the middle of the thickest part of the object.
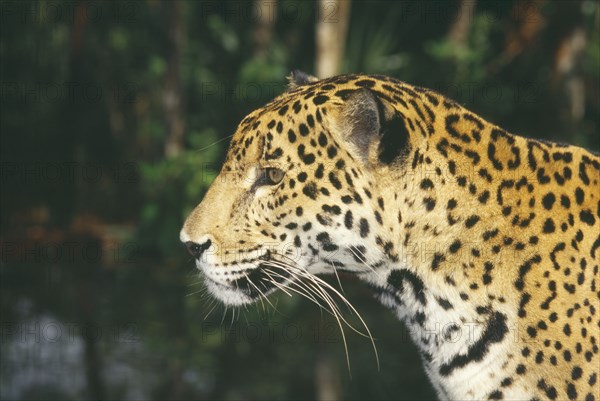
(90, 94)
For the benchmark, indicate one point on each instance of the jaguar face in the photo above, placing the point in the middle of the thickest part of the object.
(294, 197)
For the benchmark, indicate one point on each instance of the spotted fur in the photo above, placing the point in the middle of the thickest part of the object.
(486, 243)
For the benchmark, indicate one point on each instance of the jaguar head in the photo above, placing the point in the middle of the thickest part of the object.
(297, 194)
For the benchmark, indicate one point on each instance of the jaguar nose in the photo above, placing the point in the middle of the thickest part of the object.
(196, 250)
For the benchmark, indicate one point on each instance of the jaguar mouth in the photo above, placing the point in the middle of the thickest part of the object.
(268, 274)
(250, 284)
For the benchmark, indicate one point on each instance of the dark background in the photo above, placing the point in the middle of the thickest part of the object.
(114, 118)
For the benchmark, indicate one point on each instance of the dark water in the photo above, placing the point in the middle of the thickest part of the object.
(140, 330)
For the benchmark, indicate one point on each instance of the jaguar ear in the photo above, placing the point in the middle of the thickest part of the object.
(359, 123)
(297, 78)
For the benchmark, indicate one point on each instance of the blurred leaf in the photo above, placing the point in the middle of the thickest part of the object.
(223, 33)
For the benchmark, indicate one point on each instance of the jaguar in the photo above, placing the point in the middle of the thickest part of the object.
(486, 244)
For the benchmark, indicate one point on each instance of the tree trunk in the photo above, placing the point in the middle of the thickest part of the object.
(76, 140)
(332, 26)
(568, 71)
(526, 25)
(327, 378)
(172, 96)
(459, 30)
(263, 32)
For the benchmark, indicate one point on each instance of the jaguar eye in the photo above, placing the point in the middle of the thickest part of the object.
(274, 175)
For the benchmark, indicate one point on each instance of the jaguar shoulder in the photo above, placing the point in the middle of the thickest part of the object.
(486, 243)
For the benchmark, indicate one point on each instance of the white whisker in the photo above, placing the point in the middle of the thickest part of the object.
(317, 286)
(214, 143)
(212, 309)
(338, 278)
